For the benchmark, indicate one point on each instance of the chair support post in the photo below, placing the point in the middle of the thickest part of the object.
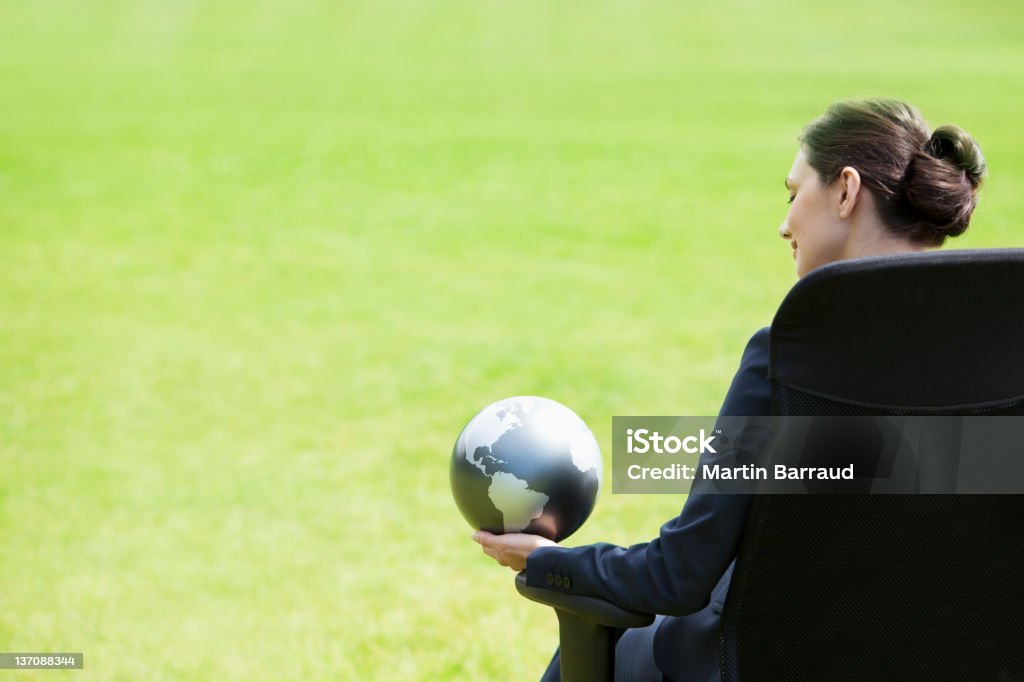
(587, 649)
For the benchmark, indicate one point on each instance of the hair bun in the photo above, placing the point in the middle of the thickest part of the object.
(941, 183)
(953, 144)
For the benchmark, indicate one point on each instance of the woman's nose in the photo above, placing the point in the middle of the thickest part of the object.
(784, 231)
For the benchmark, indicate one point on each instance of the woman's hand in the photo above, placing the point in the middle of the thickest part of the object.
(510, 549)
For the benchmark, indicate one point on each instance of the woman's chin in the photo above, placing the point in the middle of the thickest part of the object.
(800, 269)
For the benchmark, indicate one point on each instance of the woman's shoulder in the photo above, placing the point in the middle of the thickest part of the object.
(750, 390)
(759, 342)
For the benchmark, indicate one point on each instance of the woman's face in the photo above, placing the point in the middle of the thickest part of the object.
(812, 223)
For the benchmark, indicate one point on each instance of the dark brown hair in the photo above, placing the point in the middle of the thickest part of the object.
(925, 184)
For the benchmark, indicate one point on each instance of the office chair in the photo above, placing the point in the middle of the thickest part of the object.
(870, 587)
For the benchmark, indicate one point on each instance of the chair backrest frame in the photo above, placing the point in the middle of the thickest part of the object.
(888, 586)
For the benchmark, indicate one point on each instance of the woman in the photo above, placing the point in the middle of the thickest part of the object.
(869, 179)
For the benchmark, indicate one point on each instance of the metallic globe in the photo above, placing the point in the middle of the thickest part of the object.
(526, 465)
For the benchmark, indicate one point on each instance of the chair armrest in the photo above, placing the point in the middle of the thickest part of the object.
(594, 609)
(588, 629)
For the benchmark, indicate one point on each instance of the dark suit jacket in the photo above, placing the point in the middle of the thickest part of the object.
(684, 572)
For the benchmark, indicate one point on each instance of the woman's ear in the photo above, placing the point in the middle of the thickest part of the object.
(849, 194)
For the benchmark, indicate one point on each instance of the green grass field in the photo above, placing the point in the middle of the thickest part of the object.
(259, 262)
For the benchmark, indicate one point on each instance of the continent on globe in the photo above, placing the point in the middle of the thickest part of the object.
(514, 499)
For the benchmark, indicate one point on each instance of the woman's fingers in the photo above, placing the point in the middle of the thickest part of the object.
(510, 549)
(493, 553)
(486, 539)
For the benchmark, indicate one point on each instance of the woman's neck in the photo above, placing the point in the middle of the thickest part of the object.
(868, 236)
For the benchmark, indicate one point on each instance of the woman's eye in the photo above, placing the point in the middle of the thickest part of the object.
(791, 197)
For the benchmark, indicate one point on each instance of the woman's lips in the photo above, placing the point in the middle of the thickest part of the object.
(794, 251)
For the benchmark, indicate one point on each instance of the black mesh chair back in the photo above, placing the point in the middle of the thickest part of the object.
(888, 587)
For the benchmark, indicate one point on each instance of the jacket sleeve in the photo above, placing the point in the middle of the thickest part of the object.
(675, 573)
